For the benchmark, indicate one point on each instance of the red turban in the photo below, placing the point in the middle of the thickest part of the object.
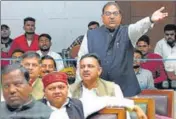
(54, 77)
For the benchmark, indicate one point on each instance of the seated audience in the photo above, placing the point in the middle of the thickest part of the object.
(144, 76)
(167, 45)
(155, 66)
(29, 40)
(19, 103)
(170, 66)
(44, 49)
(16, 55)
(48, 65)
(31, 61)
(56, 96)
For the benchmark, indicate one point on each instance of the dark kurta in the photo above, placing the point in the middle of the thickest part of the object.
(33, 110)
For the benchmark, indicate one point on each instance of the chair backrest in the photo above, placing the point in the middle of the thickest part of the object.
(109, 113)
(147, 105)
(74, 51)
(164, 101)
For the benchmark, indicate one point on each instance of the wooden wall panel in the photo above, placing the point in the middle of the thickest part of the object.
(125, 7)
(141, 8)
(136, 10)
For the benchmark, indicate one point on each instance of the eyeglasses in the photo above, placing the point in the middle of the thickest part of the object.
(107, 13)
(140, 46)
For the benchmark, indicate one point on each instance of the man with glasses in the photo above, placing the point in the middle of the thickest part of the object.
(31, 61)
(114, 44)
(155, 66)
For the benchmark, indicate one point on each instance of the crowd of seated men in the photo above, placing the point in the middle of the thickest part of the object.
(36, 85)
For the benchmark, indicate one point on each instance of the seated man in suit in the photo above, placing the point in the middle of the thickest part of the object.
(19, 103)
(56, 96)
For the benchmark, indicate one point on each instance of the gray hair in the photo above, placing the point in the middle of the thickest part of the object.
(31, 54)
(109, 4)
(12, 67)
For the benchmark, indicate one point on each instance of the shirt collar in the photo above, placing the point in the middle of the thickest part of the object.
(140, 70)
(54, 108)
(168, 44)
(82, 85)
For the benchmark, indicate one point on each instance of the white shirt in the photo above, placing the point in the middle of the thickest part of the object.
(118, 93)
(57, 58)
(62, 112)
(29, 42)
(163, 49)
(135, 31)
(89, 108)
(170, 63)
(97, 104)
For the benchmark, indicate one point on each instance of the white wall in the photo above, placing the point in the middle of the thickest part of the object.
(63, 20)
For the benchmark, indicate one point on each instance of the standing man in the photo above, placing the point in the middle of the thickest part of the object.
(114, 44)
(19, 103)
(6, 42)
(27, 41)
(44, 46)
(167, 46)
(155, 66)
